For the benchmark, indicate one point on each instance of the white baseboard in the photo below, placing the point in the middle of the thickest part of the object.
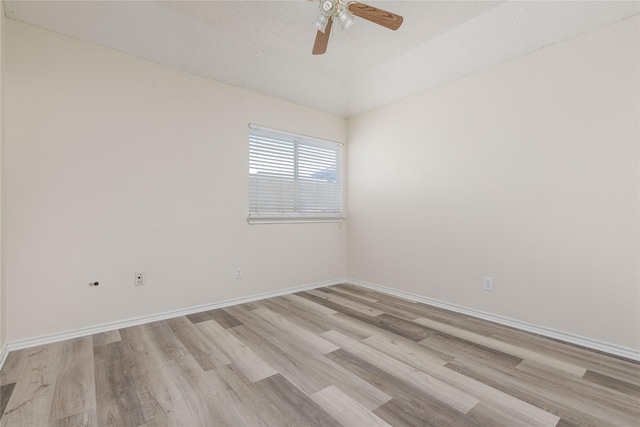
(47, 339)
(613, 349)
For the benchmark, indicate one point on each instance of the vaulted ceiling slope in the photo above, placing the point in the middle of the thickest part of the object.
(266, 46)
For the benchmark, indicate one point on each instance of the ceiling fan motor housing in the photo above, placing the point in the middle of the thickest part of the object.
(328, 7)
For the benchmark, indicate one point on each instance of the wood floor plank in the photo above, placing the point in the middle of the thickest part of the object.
(544, 394)
(231, 408)
(339, 308)
(439, 390)
(457, 348)
(312, 372)
(275, 335)
(171, 387)
(345, 302)
(305, 318)
(487, 415)
(224, 319)
(374, 303)
(409, 405)
(14, 366)
(355, 328)
(147, 371)
(5, 394)
(361, 391)
(406, 351)
(304, 336)
(117, 401)
(219, 315)
(415, 309)
(75, 390)
(294, 404)
(403, 327)
(167, 346)
(391, 323)
(404, 413)
(606, 364)
(293, 369)
(253, 397)
(194, 395)
(503, 347)
(86, 418)
(613, 383)
(579, 392)
(306, 305)
(566, 423)
(345, 410)
(207, 354)
(360, 330)
(104, 338)
(279, 335)
(433, 370)
(591, 392)
(36, 379)
(252, 366)
(346, 292)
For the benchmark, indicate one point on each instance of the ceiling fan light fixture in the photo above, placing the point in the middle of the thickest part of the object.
(321, 22)
(345, 19)
(344, 11)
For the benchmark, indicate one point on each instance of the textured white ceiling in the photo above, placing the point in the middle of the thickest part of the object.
(266, 45)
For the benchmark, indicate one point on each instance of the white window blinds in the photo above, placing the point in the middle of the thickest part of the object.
(293, 176)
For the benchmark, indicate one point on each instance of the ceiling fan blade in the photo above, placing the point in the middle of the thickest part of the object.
(375, 15)
(322, 39)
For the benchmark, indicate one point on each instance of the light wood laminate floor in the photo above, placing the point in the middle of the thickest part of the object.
(340, 355)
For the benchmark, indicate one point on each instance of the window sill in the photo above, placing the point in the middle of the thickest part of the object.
(292, 220)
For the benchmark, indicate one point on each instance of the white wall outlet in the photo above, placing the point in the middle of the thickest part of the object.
(238, 272)
(139, 279)
(488, 283)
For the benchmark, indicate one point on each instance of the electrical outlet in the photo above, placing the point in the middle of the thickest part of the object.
(238, 272)
(488, 283)
(139, 279)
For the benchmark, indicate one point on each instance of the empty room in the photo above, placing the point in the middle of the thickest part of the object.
(319, 213)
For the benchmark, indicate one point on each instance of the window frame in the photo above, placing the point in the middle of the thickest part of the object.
(295, 216)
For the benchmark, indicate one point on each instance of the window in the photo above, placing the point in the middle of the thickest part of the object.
(293, 177)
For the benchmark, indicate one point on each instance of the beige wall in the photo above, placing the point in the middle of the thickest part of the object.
(527, 172)
(116, 165)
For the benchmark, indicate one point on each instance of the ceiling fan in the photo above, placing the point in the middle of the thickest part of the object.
(344, 11)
